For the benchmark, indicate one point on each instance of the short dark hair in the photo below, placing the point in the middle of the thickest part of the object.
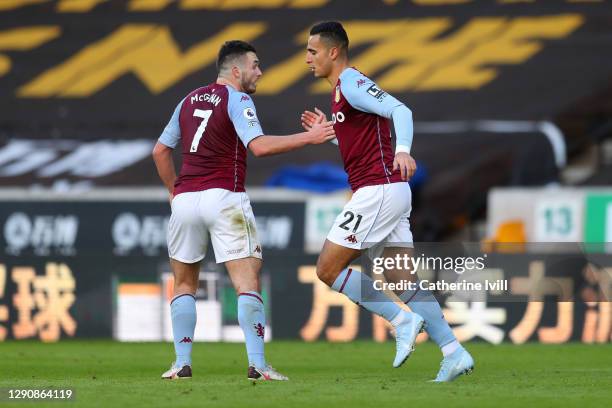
(332, 32)
(232, 49)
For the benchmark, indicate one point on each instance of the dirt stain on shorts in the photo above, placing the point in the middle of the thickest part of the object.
(236, 217)
(239, 222)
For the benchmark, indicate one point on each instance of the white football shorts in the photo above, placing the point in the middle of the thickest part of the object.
(227, 215)
(375, 217)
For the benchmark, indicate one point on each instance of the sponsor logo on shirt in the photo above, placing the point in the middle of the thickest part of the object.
(245, 98)
(360, 82)
(249, 113)
(338, 117)
(376, 92)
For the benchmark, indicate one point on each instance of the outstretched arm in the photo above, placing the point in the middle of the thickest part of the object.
(243, 115)
(269, 145)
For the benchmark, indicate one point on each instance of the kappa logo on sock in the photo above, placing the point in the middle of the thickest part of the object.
(260, 330)
(351, 238)
(186, 340)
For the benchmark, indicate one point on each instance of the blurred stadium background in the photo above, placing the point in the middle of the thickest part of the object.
(512, 103)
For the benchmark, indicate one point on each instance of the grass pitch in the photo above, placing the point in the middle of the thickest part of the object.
(358, 374)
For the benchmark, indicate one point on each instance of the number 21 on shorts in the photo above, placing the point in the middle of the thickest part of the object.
(349, 216)
(205, 115)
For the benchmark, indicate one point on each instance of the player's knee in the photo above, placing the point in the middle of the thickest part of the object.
(325, 273)
(184, 284)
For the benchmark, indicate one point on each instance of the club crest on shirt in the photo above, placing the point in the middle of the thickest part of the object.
(337, 98)
(249, 113)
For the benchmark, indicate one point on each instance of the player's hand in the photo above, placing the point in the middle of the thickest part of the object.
(322, 132)
(170, 198)
(309, 118)
(406, 164)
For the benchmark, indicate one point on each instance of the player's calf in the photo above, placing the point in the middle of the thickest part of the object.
(361, 290)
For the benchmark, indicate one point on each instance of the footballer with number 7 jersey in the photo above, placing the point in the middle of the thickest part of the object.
(376, 219)
(215, 124)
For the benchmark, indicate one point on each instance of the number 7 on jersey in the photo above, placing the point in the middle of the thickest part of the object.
(205, 115)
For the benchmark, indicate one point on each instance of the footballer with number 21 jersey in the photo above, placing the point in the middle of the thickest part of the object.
(376, 220)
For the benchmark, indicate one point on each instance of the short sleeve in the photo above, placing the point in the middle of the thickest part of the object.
(363, 94)
(172, 132)
(243, 115)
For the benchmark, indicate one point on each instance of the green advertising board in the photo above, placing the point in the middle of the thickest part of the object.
(598, 225)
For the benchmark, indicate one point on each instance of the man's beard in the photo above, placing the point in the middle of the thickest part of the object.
(249, 88)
